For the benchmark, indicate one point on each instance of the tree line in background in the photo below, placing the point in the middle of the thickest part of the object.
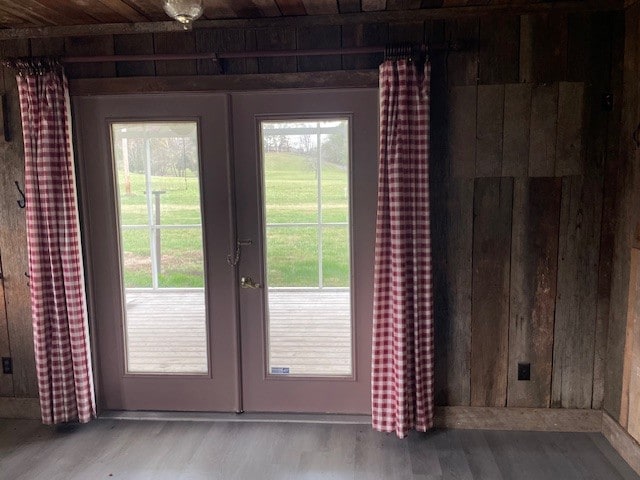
(333, 147)
(178, 156)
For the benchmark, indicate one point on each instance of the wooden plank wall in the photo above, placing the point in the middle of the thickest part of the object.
(527, 153)
(623, 353)
(521, 176)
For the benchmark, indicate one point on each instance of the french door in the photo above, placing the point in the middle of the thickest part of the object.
(305, 170)
(230, 271)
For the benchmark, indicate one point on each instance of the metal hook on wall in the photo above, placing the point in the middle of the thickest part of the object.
(23, 201)
(636, 137)
(28, 279)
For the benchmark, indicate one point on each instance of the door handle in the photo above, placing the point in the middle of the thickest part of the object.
(247, 282)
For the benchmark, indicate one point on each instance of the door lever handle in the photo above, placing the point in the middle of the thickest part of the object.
(247, 282)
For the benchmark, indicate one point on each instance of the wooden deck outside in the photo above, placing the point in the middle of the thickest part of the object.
(309, 332)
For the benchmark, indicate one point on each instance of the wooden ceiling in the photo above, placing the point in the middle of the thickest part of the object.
(46, 13)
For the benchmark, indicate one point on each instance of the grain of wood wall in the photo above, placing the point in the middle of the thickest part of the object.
(522, 191)
(622, 400)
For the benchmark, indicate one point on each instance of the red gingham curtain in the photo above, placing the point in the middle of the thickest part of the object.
(60, 326)
(403, 352)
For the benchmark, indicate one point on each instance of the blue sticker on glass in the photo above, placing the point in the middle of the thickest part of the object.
(279, 370)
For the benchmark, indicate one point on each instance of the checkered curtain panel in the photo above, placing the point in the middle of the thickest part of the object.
(60, 327)
(403, 350)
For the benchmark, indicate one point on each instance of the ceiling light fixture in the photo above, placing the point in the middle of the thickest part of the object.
(184, 11)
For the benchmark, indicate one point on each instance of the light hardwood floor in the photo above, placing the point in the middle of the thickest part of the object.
(111, 449)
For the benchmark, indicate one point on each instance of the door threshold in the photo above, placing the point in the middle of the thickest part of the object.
(320, 418)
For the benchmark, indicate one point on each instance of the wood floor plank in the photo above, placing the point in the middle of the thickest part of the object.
(424, 457)
(187, 450)
(480, 458)
(453, 460)
(522, 457)
(581, 459)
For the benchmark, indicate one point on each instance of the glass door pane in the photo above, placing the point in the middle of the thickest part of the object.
(306, 202)
(160, 224)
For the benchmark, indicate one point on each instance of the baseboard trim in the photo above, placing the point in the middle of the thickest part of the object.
(237, 417)
(526, 419)
(18, 407)
(621, 441)
(483, 418)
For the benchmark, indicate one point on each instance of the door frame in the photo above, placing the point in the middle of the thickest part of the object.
(87, 112)
(219, 390)
(305, 394)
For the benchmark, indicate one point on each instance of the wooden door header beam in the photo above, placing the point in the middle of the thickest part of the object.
(566, 6)
(226, 83)
(453, 46)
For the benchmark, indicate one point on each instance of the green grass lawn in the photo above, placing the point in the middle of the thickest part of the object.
(292, 252)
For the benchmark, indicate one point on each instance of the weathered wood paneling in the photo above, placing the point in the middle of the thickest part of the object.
(490, 119)
(136, 45)
(323, 36)
(452, 258)
(630, 401)
(577, 292)
(6, 381)
(543, 47)
(225, 83)
(219, 41)
(462, 66)
(628, 198)
(89, 45)
(12, 407)
(569, 151)
(526, 419)
(180, 42)
(320, 7)
(47, 46)
(499, 49)
(534, 268)
(462, 130)
(406, 32)
(362, 35)
(606, 49)
(515, 137)
(543, 130)
(578, 46)
(634, 376)
(281, 38)
(490, 296)
(13, 237)
(632, 318)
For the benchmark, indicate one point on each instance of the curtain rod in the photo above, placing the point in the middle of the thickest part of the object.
(252, 54)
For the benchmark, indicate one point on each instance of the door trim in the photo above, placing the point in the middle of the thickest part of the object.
(351, 395)
(225, 83)
(227, 140)
(92, 118)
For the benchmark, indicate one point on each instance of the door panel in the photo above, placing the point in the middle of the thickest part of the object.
(160, 288)
(310, 217)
